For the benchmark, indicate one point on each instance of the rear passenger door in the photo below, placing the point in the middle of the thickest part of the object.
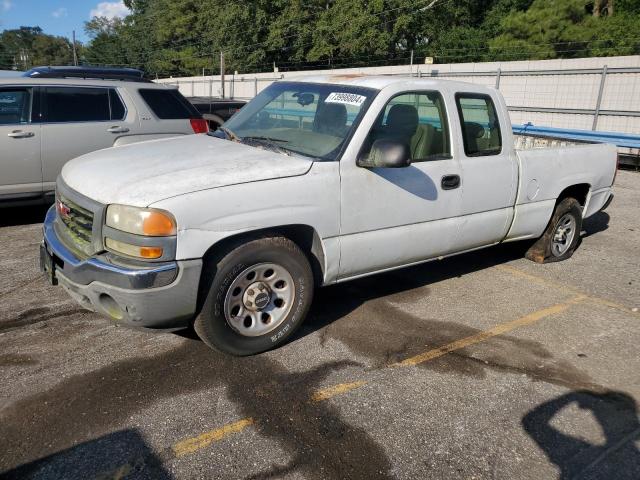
(489, 171)
(77, 120)
(20, 168)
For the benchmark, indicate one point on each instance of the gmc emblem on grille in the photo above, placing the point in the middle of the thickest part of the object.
(63, 210)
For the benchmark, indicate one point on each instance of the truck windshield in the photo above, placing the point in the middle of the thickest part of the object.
(310, 119)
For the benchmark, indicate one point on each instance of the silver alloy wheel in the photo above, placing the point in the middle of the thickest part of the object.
(259, 299)
(563, 235)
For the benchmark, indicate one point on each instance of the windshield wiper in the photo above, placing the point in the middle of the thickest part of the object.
(269, 143)
(270, 139)
(230, 135)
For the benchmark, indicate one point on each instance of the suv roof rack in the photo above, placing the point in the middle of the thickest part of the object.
(95, 73)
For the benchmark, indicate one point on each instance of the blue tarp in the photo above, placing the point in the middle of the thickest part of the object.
(619, 139)
(9, 73)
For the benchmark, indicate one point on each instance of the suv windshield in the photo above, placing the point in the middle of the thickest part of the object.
(306, 118)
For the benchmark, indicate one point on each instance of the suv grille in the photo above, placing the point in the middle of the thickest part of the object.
(77, 225)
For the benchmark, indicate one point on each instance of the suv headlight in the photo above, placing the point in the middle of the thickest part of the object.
(140, 223)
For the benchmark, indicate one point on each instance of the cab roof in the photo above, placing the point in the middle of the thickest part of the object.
(380, 82)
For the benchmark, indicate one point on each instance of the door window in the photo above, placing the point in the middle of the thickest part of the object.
(168, 104)
(480, 125)
(418, 119)
(15, 106)
(118, 110)
(76, 104)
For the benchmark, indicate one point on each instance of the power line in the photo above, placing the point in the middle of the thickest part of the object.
(458, 52)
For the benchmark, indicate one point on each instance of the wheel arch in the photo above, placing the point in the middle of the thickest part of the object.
(305, 236)
(579, 191)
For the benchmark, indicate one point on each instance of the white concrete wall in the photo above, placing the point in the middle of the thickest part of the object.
(622, 91)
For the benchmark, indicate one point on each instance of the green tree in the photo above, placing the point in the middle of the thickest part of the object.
(183, 37)
(566, 29)
(27, 47)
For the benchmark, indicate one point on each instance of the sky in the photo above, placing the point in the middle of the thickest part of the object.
(57, 17)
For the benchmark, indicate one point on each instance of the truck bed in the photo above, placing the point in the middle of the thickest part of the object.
(546, 172)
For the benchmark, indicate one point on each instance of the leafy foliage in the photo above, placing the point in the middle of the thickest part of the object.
(27, 47)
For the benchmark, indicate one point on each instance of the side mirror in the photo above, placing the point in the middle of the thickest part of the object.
(387, 154)
(304, 99)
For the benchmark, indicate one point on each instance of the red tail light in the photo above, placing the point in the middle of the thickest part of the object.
(199, 125)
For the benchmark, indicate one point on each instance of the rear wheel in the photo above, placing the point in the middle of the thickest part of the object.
(562, 236)
(259, 295)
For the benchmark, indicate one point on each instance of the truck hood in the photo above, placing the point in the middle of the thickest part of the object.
(144, 173)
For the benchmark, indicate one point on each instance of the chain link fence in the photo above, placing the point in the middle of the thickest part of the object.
(591, 94)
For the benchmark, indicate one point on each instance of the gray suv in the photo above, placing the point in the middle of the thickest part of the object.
(50, 115)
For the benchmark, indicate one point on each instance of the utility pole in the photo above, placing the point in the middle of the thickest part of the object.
(222, 73)
(602, 7)
(24, 58)
(75, 54)
(411, 64)
(597, 8)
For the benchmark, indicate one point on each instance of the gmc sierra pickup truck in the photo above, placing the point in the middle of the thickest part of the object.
(313, 182)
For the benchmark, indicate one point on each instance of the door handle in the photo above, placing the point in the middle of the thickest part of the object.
(20, 134)
(117, 129)
(450, 182)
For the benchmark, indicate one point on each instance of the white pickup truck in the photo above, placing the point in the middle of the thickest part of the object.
(314, 182)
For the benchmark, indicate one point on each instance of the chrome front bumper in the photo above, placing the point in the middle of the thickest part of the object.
(158, 295)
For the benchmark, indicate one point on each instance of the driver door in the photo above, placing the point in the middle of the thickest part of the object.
(392, 217)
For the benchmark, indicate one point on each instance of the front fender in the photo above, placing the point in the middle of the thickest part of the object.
(208, 217)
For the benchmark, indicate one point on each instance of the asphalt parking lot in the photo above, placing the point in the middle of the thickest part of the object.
(480, 366)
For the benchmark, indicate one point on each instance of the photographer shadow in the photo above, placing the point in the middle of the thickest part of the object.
(617, 415)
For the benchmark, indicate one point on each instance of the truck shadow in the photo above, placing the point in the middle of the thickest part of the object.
(337, 301)
(616, 414)
(316, 440)
(371, 317)
(595, 224)
(16, 216)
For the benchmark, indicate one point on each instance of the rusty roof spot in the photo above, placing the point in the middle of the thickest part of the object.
(347, 76)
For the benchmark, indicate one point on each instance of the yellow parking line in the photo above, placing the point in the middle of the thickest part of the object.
(329, 392)
(550, 283)
(193, 444)
(121, 472)
(203, 440)
(492, 332)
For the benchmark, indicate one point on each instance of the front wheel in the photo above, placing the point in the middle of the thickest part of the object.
(259, 295)
(562, 236)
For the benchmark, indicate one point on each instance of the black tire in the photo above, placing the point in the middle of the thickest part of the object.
(211, 324)
(543, 251)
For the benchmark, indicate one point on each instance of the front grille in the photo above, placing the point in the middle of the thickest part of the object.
(77, 225)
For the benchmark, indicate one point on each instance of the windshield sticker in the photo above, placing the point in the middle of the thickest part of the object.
(346, 99)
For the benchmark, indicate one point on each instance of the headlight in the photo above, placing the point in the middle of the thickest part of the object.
(141, 221)
(133, 250)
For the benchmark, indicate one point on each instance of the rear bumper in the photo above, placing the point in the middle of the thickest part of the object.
(159, 296)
